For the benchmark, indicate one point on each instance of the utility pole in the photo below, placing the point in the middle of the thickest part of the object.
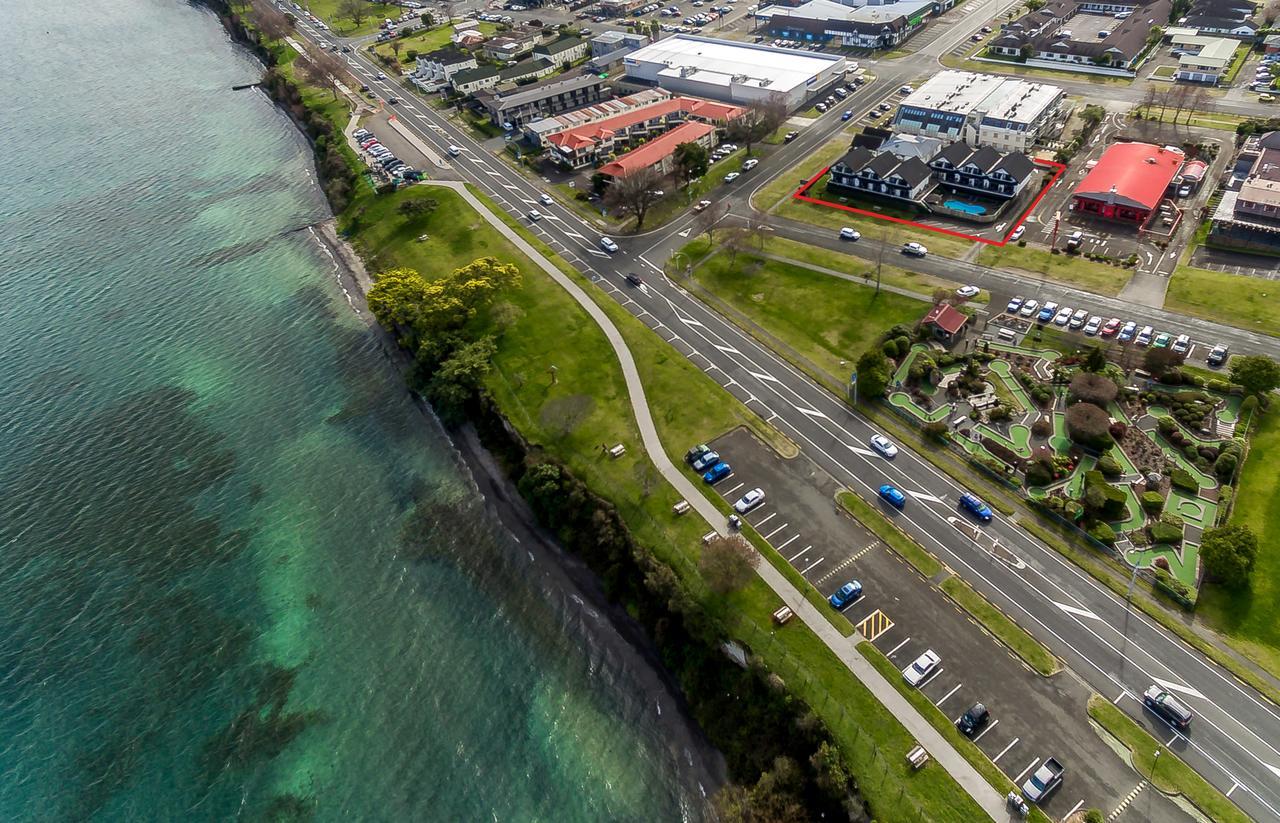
(884, 240)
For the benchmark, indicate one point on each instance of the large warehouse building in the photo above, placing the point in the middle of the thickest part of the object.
(732, 72)
(982, 110)
(1129, 182)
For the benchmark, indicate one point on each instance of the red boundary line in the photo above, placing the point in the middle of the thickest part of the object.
(1061, 170)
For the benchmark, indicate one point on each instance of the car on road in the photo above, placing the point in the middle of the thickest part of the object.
(608, 245)
(705, 461)
(535, 215)
(890, 494)
(1161, 340)
(1017, 233)
(696, 452)
(1144, 336)
(1167, 706)
(915, 249)
(545, 200)
(716, 473)
(1077, 319)
(1217, 355)
(748, 165)
(749, 501)
(1047, 312)
(968, 291)
(848, 115)
(731, 176)
(1063, 316)
(1014, 304)
(1093, 326)
(1127, 331)
(850, 234)
(1029, 308)
(973, 719)
(702, 205)
(974, 506)
(393, 100)
(791, 135)
(1044, 780)
(382, 76)
(1110, 327)
(634, 279)
(454, 151)
(919, 671)
(846, 594)
(883, 446)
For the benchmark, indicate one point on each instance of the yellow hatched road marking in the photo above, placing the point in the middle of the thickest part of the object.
(875, 624)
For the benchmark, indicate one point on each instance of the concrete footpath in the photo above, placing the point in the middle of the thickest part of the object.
(991, 801)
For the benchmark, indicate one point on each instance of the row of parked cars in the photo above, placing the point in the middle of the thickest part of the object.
(381, 157)
(1123, 331)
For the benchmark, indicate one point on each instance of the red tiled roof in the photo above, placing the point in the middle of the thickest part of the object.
(655, 150)
(590, 133)
(945, 317)
(1131, 174)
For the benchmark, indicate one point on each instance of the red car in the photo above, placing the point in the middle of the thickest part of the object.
(1111, 327)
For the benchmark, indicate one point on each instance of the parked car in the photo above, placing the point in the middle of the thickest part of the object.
(1167, 707)
(1184, 191)
(891, 495)
(915, 249)
(749, 501)
(717, 473)
(883, 445)
(846, 594)
(1043, 782)
(822, 107)
(1017, 233)
(1127, 332)
(904, 90)
(1029, 308)
(1075, 239)
(608, 245)
(1144, 336)
(919, 671)
(974, 506)
(1162, 340)
(1077, 319)
(1217, 355)
(1014, 305)
(1093, 326)
(1110, 327)
(973, 719)
(968, 291)
(705, 461)
(850, 234)
(696, 452)
(1047, 312)
(1063, 316)
(873, 114)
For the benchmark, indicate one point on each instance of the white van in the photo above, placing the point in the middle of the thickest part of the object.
(1007, 335)
(1144, 336)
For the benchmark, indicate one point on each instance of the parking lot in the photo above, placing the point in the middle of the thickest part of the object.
(1032, 717)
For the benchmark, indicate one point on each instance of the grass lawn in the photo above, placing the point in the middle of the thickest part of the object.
(834, 219)
(427, 40)
(1252, 618)
(1098, 278)
(951, 61)
(923, 284)
(1002, 626)
(1173, 776)
(1246, 302)
(1167, 72)
(789, 180)
(327, 10)
(827, 320)
(678, 200)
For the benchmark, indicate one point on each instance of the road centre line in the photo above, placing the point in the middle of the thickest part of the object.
(1005, 750)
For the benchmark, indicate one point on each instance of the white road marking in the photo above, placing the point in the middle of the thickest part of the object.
(734, 489)
(766, 520)
(793, 557)
(790, 540)
(890, 653)
(1023, 773)
(727, 349)
(924, 496)
(996, 759)
(994, 723)
(1074, 808)
(948, 694)
(1234, 786)
(763, 376)
(1120, 697)
(1175, 687)
(1075, 611)
(775, 531)
(811, 565)
(807, 412)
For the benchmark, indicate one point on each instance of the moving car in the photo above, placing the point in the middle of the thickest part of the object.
(1045, 779)
(393, 100)
(731, 176)
(968, 291)
(974, 506)
(702, 205)
(696, 452)
(1217, 355)
(924, 665)
(545, 200)
(1167, 706)
(915, 249)
(634, 279)
(846, 594)
(973, 719)
(850, 234)
(382, 76)
(848, 115)
(1029, 308)
(705, 461)
(1094, 325)
(1047, 312)
(717, 473)
(749, 501)
(1162, 340)
(891, 495)
(1017, 233)
(1063, 316)
(608, 245)
(535, 215)
(1110, 327)
(1127, 332)
(454, 151)
(1014, 305)
(748, 165)
(883, 445)
(791, 135)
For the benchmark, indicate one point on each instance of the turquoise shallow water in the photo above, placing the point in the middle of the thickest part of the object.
(241, 576)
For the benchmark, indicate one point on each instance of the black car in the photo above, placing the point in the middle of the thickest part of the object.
(696, 452)
(974, 718)
(346, 49)
(364, 88)
(393, 100)
(1167, 706)
(634, 279)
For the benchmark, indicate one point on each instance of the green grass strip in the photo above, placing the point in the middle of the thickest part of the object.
(910, 550)
(1002, 626)
(1172, 776)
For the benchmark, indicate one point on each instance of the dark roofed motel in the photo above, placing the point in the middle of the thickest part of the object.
(864, 171)
(1047, 34)
(982, 171)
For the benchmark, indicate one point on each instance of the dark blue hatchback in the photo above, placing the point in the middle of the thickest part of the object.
(975, 507)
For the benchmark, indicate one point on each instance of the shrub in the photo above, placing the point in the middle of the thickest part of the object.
(1166, 426)
(1098, 389)
(1109, 466)
(1103, 533)
(1220, 386)
(1042, 427)
(1182, 479)
(1038, 474)
(998, 414)
(935, 431)
(1163, 532)
(890, 348)
(1225, 466)
(1088, 425)
(1118, 430)
(1152, 502)
(1228, 554)
(904, 345)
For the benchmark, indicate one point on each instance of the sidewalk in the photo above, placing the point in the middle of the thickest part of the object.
(991, 801)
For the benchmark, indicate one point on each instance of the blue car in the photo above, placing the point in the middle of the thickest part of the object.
(892, 496)
(717, 473)
(847, 115)
(846, 594)
(975, 507)
(1046, 314)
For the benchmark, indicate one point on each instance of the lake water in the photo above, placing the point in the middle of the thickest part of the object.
(241, 575)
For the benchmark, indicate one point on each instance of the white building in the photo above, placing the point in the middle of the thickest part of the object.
(982, 110)
(733, 72)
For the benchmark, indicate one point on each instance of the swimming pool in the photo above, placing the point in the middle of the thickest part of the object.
(960, 205)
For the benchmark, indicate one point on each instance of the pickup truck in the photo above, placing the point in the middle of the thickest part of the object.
(1046, 778)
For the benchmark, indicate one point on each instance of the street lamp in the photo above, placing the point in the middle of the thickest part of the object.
(676, 255)
(1155, 762)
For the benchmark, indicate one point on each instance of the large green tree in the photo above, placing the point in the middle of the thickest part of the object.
(1257, 373)
(691, 161)
(1229, 554)
(874, 371)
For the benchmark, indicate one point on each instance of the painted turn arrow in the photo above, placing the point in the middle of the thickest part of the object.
(1078, 612)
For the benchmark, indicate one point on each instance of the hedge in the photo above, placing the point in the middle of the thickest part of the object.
(1182, 479)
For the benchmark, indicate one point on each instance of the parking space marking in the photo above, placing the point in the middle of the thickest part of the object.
(775, 531)
(874, 625)
(894, 650)
(734, 489)
(1235, 785)
(932, 677)
(1023, 773)
(1074, 809)
(811, 565)
(1005, 750)
(994, 723)
(766, 520)
(948, 694)
(793, 557)
(848, 561)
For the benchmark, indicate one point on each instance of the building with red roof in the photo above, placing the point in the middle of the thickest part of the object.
(1128, 182)
(657, 153)
(945, 321)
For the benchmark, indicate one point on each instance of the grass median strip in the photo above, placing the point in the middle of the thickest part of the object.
(1172, 776)
(967, 748)
(1002, 626)
(910, 550)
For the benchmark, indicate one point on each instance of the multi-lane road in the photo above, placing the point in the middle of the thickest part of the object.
(1117, 651)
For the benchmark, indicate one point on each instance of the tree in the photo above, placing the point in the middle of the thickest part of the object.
(1229, 553)
(1095, 360)
(758, 122)
(1088, 425)
(428, 21)
(459, 376)
(1159, 361)
(320, 68)
(417, 207)
(1257, 373)
(691, 162)
(709, 218)
(1087, 387)
(634, 193)
(728, 563)
(272, 23)
(874, 371)
(353, 10)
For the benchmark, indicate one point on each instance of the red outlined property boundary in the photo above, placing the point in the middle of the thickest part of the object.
(1059, 167)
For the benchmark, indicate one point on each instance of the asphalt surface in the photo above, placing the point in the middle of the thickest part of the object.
(1118, 653)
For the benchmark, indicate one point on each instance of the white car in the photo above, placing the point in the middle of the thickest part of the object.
(915, 249)
(1029, 308)
(882, 445)
(545, 200)
(535, 215)
(608, 245)
(1017, 233)
(381, 76)
(749, 501)
(925, 665)
(850, 234)
(1078, 319)
(968, 291)
(454, 151)
(731, 176)
(1093, 325)
(748, 165)
(703, 205)
(1182, 344)
(1063, 316)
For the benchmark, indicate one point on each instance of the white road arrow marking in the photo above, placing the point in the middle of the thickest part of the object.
(808, 412)
(1078, 612)
(727, 349)
(762, 376)
(1175, 687)
(924, 496)
(862, 451)
(1273, 769)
